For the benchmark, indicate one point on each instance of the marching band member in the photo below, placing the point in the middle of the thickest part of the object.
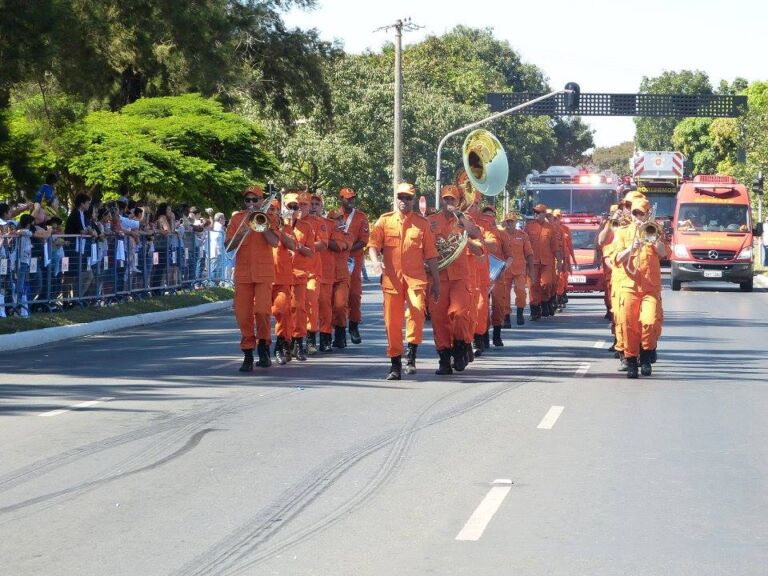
(451, 315)
(604, 239)
(356, 223)
(302, 265)
(640, 290)
(340, 243)
(282, 290)
(407, 244)
(327, 280)
(520, 268)
(546, 257)
(253, 277)
(569, 260)
(488, 243)
(314, 281)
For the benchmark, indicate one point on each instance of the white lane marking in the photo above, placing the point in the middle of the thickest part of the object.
(482, 515)
(550, 418)
(75, 406)
(599, 344)
(582, 369)
(222, 365)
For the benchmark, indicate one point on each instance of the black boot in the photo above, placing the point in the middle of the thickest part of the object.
(486, 340)
(565, 299)
(544, 308)
(445, 363)
(535, 312)
(410, 356)
(325, 342)
(339, 337)
(311, 343)
(608, 316)
(520, 318)
(622, 362)
(652, 355)
(354, 333)
(247, 361)
(297, 346)
(263, 350)
(477, 344)
(632, 367)
(497, 336)
(645, 362)
(280, 350)
(459, 360)
(613, 346)
(469, 354)
(396, 368)
(507, 322)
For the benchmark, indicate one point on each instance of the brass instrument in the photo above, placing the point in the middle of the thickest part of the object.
(451, 248)
(485, 162)
(256, 220)
(649, 231)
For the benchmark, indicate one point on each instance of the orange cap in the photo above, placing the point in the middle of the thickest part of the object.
(641, 204)
(305, 198)
(335, 214)
(450, 191)
(489, 210)
(539, 208)
(633, 195)
(510, 217)
(347, 193)
(255, 190)
(613, 208)
(290, 198)
(406, 188)
(556, 212)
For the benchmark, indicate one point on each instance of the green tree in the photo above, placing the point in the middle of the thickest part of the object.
(615, 158)
(656, 133)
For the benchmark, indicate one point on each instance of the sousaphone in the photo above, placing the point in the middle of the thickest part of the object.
(485, 162)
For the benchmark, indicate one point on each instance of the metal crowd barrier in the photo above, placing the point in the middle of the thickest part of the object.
(64, 271)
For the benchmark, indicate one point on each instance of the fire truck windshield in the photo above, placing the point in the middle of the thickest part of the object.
(575, 200)
(665, 203)
(584, 239)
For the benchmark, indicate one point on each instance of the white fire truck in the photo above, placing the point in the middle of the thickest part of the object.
(658, 175)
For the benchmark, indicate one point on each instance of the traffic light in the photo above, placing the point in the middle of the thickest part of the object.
(572, 96)
(757, 185)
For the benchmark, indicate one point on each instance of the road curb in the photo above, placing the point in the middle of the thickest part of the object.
(31, 338)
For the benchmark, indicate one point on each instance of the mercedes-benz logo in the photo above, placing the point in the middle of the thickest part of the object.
(713, 254)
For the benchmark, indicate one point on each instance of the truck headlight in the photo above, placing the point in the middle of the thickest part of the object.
(680, 251)
(745, 254)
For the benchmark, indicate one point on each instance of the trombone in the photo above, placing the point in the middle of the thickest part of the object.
(256, 220)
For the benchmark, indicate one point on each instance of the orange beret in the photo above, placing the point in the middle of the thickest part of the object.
(347, 193)
(539, 208)
(255, 190)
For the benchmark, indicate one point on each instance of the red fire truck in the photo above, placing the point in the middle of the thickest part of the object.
(658, 175)
(583, 199)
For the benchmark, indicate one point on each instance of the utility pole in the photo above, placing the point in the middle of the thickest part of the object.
(397, 165)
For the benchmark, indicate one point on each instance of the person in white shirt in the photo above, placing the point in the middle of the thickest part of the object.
(216, 249)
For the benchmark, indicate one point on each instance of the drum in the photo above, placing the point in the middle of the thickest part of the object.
(496, 267)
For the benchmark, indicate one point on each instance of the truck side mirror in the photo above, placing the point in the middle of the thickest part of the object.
(572, 95)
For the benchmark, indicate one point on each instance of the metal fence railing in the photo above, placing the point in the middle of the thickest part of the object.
(65, 271)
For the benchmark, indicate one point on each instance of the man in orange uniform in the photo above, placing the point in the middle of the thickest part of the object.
(569, 259)
(640, 290)
(604, 239)
(356, 223)
(406, 242)
(314, 282)
(302, 265)
(339, 244)
(499, 246)
(451, 315)
(521, 266)
(253, 277)
(546, 256)
(486, 244)
(327, 279)
(282, 290)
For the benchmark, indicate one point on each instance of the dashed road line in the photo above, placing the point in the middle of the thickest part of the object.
(599, 344)
(550, 418)
(481, 517)
(582, 369)
(87, 404)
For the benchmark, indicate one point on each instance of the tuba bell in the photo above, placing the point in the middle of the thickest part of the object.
(485, 162)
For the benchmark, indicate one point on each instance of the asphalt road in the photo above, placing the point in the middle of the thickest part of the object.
(146, 453)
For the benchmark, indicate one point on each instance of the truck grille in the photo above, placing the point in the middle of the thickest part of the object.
(713, 254)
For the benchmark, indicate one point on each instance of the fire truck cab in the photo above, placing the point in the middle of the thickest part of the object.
(583, 198)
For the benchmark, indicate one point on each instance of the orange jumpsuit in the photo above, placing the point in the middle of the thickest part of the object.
(358, 229)
(341, 281)
(617, 278)
(302, 265)
(253, 277)
(320, 226)
(607, 271)
(327, 278)
(451, 315)
(501, 248)
(562, 277)
(544, 244)
(518, 271)
(282, 290)
(489, 242)
(639, 295)
(406, 243)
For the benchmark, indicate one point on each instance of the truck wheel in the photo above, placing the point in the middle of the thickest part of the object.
(746, 286)
(676, 284)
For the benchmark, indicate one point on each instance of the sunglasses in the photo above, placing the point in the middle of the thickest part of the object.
(404, 197)
(292, 206)
(250, 199)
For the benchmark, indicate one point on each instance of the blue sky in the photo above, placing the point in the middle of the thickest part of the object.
(605, 46)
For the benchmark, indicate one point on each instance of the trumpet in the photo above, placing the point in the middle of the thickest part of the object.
(256, 220)
(649, 231)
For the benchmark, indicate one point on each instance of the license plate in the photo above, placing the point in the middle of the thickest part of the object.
(577, 279)
(713, 273)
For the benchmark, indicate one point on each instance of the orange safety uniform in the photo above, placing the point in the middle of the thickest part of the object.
(489, 242)
(320, 226)
(498, 245)
(341, 281)
(617, 278)
(357, 226)
(451, 315)
(302, 265)
(562, 277)
(520, 246)
(282, 290)
(639, 296)
(253, 277)
(406, 243)
(545, 244)
(607, 270)
(327, 279)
